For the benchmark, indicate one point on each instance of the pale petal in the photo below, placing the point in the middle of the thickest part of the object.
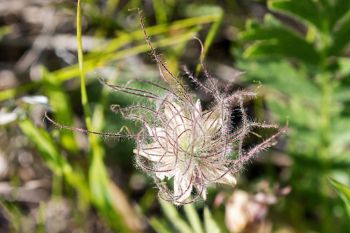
(204, 194)
(220, 176)
(198, 131)
(202, 190)
(155, 154)
(182, 187)
(198, 110)
(165, 170)
(164, 162)
(177, 120)
(236, 214)
(228, 179)
(159, 135)
(156, 132)
(212, 121)
(170, 109)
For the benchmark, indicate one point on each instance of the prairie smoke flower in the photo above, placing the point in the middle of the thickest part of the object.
(187, 146)
(183, 147)
(189, 149)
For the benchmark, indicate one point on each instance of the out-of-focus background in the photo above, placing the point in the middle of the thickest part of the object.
(293, 53)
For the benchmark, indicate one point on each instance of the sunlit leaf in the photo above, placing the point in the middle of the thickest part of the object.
(52, 157)
(344, 193)
(159, 226)
(173, 216)
(209, 222)
(307, 10)
(341, 37)
(277, 40)
(193, 218)
(339, 10)
(61, 103)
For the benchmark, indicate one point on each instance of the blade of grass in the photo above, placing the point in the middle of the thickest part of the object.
(99, 181)
(160, 10)
(72, 71)
(13, 92)
(171, 212)
(344, 193)
(84, 97)
(159, 226)
(13, 214)
(111, 7)
(209, 222)
(193, 218)
(57, 163)
(213, 31)
(214, 28)
(61, 103)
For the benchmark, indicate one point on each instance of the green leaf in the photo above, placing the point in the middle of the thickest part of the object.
(308, 161)
(344, 67)
(193, 218)
(277, 40)
(159, 226)
(339, 10)
(12, 92)
(341, 37)
(306, 10)
(4, 30)
(197, 10)
(99, 182)
(55, 161)
(46, 146)
(173, 216)
(209, 222)
(341, 139)
(61, 105)
(269, 71)
(160, 10)
(102, 197)
(344, 193)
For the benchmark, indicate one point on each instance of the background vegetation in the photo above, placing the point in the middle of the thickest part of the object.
(294, 53)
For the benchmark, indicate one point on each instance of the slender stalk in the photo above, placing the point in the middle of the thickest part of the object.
(96, 149)
(84, 97)
(325, 131)
(209, 40)
(107, 197)
(325, 143)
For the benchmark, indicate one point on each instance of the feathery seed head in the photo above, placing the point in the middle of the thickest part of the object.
(185, 148)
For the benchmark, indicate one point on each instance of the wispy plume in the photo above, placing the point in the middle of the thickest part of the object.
(183, 147)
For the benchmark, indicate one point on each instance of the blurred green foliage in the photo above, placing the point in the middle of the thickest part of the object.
(299, 56)
(302, 66)
(344, 193)
(92, 183)
(193, 223)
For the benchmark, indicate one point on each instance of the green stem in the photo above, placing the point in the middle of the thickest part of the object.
(325, 131)
(84, 97)
(325, 142)
(96, 149)
(103, 191)
(211, 36)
